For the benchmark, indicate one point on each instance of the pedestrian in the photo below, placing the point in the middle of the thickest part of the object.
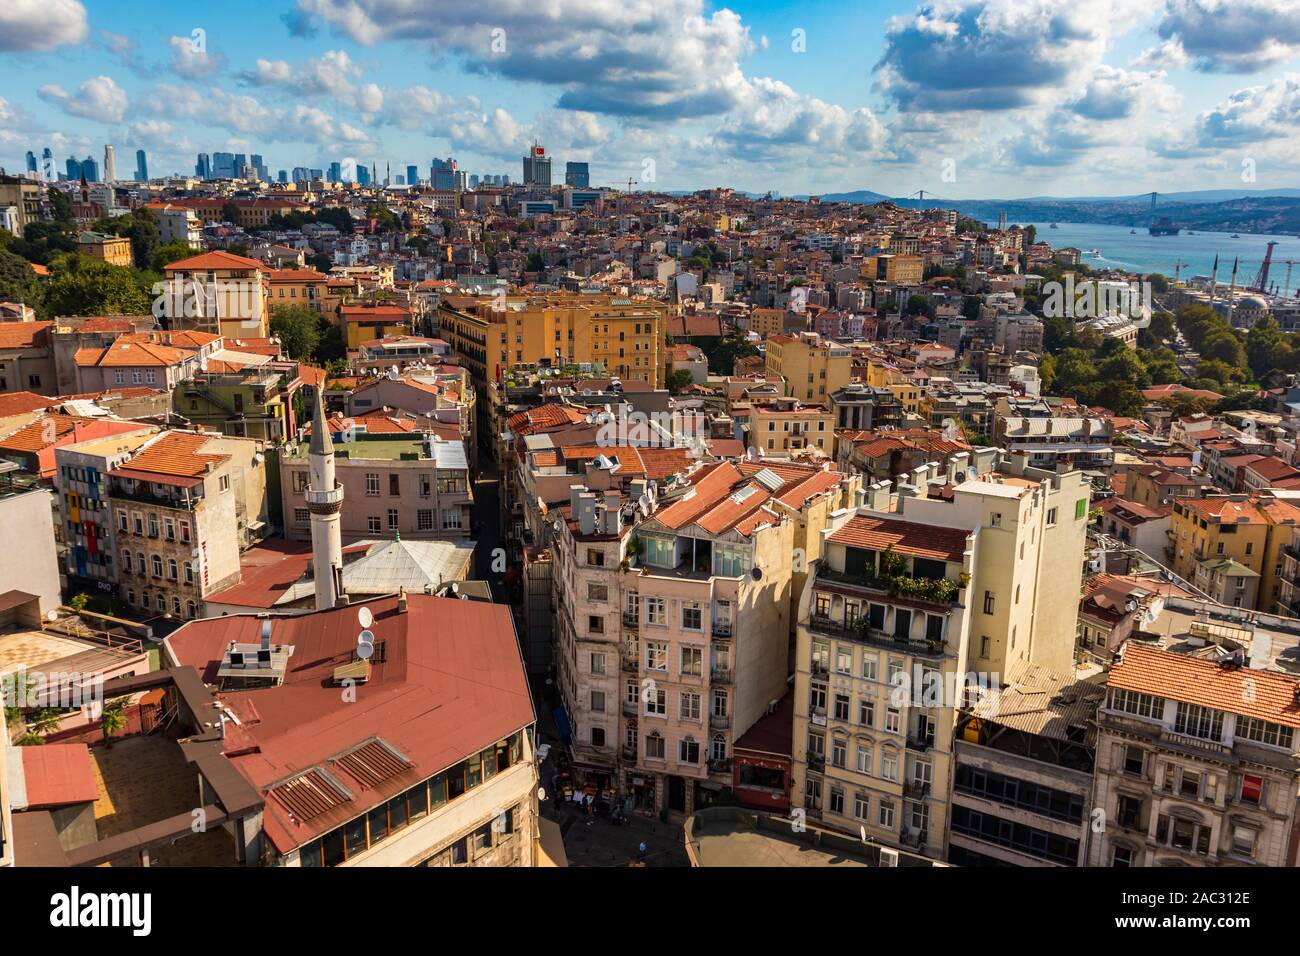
(641, 852)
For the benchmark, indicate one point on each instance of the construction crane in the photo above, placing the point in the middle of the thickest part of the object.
(1286, 289)
(1261, 280)
(630, 184)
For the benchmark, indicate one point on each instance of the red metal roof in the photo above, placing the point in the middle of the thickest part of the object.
(59, 774)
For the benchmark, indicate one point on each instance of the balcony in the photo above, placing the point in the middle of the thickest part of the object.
(719, 721)
(916, 789)
(631, 622)
(721, 674)
(722, 630)
(816, 762)
(720, 765)
(918, 743)
(819, 669)
(877, 638)
(631, 665)
(629, 708)
(629, 753)
(142, 493)
(941, 592)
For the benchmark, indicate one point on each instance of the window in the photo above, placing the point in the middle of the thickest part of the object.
(865, 762)
(223, 483)
(596, 557)
(394, 485)
(656, 655)
(692, 618)
(839, 753)
(157, 566)
(889, 765)
(595, 624)
(1051, 517)
(893, 721)
(1134, 758)
(654, 746)
(688, 751)
(656, 703)
(1252, 789)
(692, 661)
(424, 519)
(1131, 702)
(597, 663)
(1080, 509)
(867, 713)
(372, 524)
(451, 520)
(598, 701)
(171, 569)
(299, 482)
(861, 806)
(988, 602)
(597, 592)
(188, 570)
(836, 801)
(869, 663)
(1264, 732)
(690, 706)
(654, 611)
(372, 484)
(885, 816)
(843, 660)
(1196, 721)
(841, 706)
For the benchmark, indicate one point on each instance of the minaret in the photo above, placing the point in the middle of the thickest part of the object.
(324, 501)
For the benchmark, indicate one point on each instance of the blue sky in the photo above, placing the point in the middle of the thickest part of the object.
(962, 98)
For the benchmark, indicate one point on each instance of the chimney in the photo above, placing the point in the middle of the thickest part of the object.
(266, 633)
(401, 600)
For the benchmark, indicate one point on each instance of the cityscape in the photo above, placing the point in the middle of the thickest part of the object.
(708, 437)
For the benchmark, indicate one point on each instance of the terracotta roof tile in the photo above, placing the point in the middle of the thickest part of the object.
(906, 537)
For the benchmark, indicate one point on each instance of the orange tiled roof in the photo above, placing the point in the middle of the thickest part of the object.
(176, 453)
(215, 260)
(1191, 680)
(906, 537)
(23, 335)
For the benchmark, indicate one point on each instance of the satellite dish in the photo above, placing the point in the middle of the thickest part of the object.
(756, 574)
(364, 617)
(541, 793)
(365, 651)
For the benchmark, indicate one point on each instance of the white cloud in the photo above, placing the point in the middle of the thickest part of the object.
(1233, 36)
(664, 59)
(955, 55)
(32, 26)
(192, 60)
(772, 114)
(332, 74)
(99, 98)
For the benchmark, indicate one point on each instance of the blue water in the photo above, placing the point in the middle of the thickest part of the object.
(1146, 253)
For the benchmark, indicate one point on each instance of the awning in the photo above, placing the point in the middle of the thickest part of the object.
(562, 725)
(550, 844)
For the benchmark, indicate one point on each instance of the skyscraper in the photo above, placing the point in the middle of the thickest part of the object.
(90, 169)
(141, 167)
(412, 176)
(47, 165)
(32, 172)
(363, 175)
(203, 166)
(223, 166)
(336, 172)
(447, 174)
(259, 167)
(537, 167)
(282, 176)
(577, 175)
(110, 165)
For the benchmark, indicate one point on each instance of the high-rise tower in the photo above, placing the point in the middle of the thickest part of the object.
(324, 501)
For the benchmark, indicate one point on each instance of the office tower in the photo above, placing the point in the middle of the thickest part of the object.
(473, 181)
(90, 169)
(314, 174)
(300, 174)
(537, 167)
(240, 161)
(203, 166)
(336, 172)
(141, 167)
(577, 175)
(505, 179)
(282, 176)
(110, 165)
(412, 176)
(363, 176)
(447, 174)
(47, 165)
(73, 168)
(259, 167)
(31, 165)
(223, 166)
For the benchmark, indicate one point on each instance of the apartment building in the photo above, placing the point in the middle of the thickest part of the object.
(1253, 532)
(786, 426)
(1023, 773)
(365, 323)
(407, 484)
(1193, 770)
(217, 292)
(26, 357)
(1057, 443)
(29, 563)
(491, 334)
(305, 287)
(916, 601)
(813, 369)
(184, 506)
(673, 620)
(81, 484)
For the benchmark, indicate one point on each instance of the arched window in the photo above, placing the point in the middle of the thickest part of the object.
(171, 568)
(189, 573)
(176, 606)
(189, 609)
(718, 751)
(126, 560)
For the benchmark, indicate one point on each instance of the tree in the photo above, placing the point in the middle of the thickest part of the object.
(1265, 345)
(1223, 344)
(18, 283)
(725, 350)
(164, 256)
(86, 286)
(113, 718)
(298, 329)
(321, 262)
(678, 381)
(230, 212)
(917, 305)
(60, 206)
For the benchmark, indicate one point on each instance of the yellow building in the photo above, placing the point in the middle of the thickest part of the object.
(786, 425)
(115, 250)
(1229, 526)
(217, 292)
(906, 391)
(812, 369)
(365, 323)
(297, 287)
(490, 333)
(767, 322)
(899, 269)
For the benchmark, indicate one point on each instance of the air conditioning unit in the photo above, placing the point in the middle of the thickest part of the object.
(888, 857)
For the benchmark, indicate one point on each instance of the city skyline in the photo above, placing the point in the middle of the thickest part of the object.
(962, 99)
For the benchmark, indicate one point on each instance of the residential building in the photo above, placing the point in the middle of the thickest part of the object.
(217, 292)
(812, 369)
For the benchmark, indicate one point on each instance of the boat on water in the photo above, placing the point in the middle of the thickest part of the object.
(1053, 226)
(1134, 232)
(1234, 236)
(1163, 227)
